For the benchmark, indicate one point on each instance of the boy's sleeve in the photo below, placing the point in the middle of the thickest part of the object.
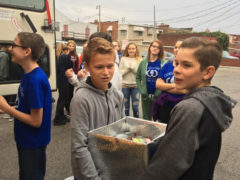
(176, 151)
(35, 94)
(73, 80)
(84, 165)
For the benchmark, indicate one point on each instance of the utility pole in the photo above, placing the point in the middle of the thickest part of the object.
(99, 17)
(154, 23)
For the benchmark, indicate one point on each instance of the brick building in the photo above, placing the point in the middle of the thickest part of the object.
(109, 27)
(169, 40)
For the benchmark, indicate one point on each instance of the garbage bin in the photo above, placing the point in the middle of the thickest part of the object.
(117, 158)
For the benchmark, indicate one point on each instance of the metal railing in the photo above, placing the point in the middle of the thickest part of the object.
(73, 35)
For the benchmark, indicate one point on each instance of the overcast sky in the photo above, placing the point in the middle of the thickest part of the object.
(223, 15)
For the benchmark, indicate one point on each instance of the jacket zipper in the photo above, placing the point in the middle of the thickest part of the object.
(108, 107)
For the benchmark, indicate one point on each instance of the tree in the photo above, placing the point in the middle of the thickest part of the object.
(222, 38)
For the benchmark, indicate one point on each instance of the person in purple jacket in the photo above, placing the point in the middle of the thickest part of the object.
(170, 96)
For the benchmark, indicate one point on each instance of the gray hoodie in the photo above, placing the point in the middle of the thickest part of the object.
(91, 108)
(192, 143)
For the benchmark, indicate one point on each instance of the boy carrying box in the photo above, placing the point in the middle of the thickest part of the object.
(191, 146)
(96, 103)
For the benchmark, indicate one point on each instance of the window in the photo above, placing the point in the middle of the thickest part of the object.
(123, 33)
(44, 62)
(35, 5)
(138, 33)
(10, 72)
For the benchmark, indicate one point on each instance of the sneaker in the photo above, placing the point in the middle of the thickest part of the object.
(60, 121)
(68, 117)
(69, 178)
(53, 100)
(10, 119)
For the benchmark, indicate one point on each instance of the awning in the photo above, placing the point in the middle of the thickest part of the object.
(137, 28)
(123, 28)
(159, 31)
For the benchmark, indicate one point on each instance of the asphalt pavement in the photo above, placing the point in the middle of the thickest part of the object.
(58, 151)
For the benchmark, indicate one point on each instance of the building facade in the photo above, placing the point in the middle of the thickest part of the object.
(72, 30)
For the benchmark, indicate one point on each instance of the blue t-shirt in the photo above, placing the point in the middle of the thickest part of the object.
(166, 74)
(34, 93)
(152, 73)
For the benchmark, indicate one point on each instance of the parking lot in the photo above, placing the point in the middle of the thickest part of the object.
(58, 151)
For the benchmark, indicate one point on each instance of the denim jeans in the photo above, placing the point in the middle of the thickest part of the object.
(32, 163)
(132, 93)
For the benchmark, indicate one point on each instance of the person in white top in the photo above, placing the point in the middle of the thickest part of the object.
(74, 79)
(82, 74)
(128, 68)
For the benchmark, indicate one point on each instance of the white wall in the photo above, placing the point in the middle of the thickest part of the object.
(73, 26)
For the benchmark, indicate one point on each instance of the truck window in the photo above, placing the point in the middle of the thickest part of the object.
(10, 72)
(35, 5)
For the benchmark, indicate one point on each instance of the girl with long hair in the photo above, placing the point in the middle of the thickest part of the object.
(146, 77)
(128, 68)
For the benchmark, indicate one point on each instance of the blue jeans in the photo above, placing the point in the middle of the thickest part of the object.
(132, 93)
(32, 163)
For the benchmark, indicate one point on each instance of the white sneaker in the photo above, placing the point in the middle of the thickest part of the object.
(6, 116)
(10, 119)
(69, 178)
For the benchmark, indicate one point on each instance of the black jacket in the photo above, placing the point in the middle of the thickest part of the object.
(191, 146)
(63, 64)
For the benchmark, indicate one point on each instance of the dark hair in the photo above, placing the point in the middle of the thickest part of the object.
(207, 52)
(102, 35)
(98, 45)
(33, 41)
(161, 51)
(65, 47)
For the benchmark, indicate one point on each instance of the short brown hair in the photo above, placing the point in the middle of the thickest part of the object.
(161, 51)
(33, 41)
(207, 52)
(98, 45)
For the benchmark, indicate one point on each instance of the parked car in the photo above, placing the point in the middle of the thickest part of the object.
(167, 55)
(226, 55)
(236, 54)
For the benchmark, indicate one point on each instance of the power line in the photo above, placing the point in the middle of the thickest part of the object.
(187, 6)
(198, 12)
(89, 17)
(217, 17)
(201, 16)
(170, 9)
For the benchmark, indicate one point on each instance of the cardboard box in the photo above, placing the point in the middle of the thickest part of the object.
(121, 159)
